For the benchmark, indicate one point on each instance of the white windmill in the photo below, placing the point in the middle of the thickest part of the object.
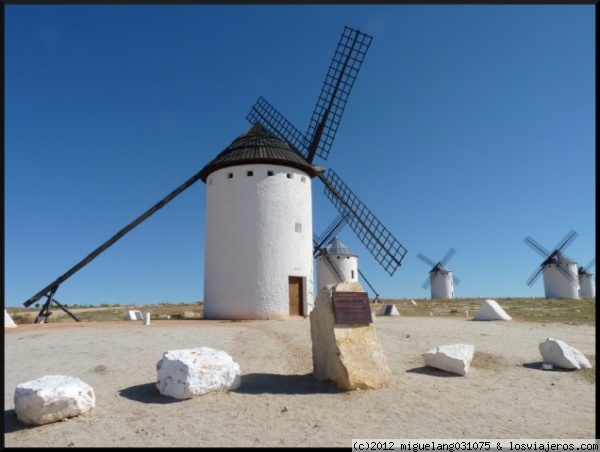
(587, 283)
(336, 263)
(258, 246)
(259, 250)
(259, 240)
(441, 279)
(560, 272)
(327, 268)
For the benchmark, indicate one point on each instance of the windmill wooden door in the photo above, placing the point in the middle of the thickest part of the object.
(296, 295)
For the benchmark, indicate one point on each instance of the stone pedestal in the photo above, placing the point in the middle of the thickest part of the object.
(350, 356)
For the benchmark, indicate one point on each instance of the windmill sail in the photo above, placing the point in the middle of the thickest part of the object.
(380, 242)
(555, 257)
(585, 270)
(263, 112)
(333, 229)
(331, 103)
(323, 125)
(338, 83)
(439, 266)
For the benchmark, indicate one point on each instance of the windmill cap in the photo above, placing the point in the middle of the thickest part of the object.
(257, 145)
(336, 246)
(559, 258)
(439, 267)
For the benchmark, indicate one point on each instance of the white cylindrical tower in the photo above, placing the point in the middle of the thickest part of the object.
(258, 250)
(336, 261)
(557, 282)
(587, 285)
(442, 284)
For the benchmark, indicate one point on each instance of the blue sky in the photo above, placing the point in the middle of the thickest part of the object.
(469, 127)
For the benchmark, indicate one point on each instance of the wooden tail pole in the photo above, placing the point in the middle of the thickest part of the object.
(51, 288)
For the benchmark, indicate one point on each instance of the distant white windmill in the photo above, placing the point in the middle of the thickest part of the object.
(560, 272)
(336, 263)
(587, 283)
(440, 278)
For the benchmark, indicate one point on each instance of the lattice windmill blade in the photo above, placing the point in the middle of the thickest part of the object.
(447, 256)
(573, 279)
(588, 266)
(454, 278)
(534, 277)
(263, 112)
(332, 230)
(346, 63)
(340, 77)
(426, 260)
(535, 246)
(425, 285)
(333, 269)
(567, 240)
(380, 242)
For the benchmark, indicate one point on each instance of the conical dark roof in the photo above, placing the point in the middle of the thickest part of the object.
(558, 258)
(439, 267)
(336, 246)
(257, 145)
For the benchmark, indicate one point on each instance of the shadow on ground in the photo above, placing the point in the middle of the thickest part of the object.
(431, 371)
(537, 365)
(12, 424)
(285, 384)
(147, 393)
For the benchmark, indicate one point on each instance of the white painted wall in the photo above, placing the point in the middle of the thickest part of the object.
(347, 267)
(258, 233)
(587, 285)
(442, 285)
(557, 285)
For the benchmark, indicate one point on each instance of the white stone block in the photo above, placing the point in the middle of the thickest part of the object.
(454, 358)
(134, 315)
(183, 374)
(491, 310)
(389, 309)
(8, 321)
(52, 398)
(560, 354)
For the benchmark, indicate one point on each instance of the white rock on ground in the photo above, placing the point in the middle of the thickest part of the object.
(52, 398)
(183, 374)
(454, 358)
(491, 310)
(389, 309)
(8, 321)
(560, 354)
(134, 315)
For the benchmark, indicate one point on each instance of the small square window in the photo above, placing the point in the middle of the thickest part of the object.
(298, 227)
(289, 175)
(229, 175)
(250, 173)
(303, 179)
(270, 173)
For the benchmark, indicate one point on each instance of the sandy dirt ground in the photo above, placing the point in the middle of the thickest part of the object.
(505, 395)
